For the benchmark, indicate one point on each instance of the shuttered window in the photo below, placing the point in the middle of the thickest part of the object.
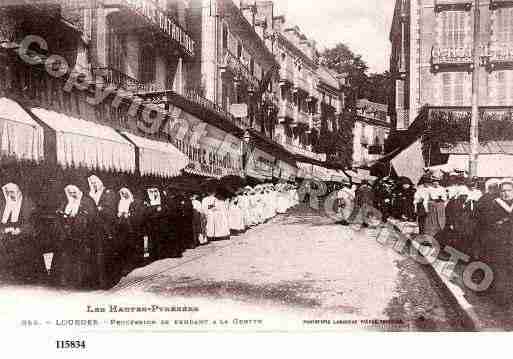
(453, 28)
(504, 27)
(115, 50)
(147, 64)
(446, 88)
(458, 88)
(501, 87)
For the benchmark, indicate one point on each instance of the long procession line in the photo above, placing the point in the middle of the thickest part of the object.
(138, 282)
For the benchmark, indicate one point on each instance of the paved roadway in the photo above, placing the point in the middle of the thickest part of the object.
(304, 266)
(299, 272)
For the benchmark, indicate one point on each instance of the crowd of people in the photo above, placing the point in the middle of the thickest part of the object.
(472, 216)
(101, 235)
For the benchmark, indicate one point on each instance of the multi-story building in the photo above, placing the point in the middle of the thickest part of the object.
(372, 128)
(432, 42)
(221, 75)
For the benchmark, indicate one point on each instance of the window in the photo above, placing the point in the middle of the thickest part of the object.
(504, 25)
(453, 28)
(225, 37)
(446, 88)
(239, 50)
(501, 86)
(147, 64)
(115, 50)
(458, 89)
(252, 66)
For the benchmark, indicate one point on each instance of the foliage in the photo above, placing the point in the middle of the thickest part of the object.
(445, 128)
(343, 60)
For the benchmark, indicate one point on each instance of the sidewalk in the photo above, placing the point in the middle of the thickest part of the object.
(483, 314)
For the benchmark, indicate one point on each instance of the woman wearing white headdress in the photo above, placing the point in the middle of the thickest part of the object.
(105, 247)
(236, 214)
(20, 253)
(74, 261)
(130, 251)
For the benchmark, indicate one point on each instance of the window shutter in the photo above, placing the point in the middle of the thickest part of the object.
(501, 83)
(446, 88)
(458, 88)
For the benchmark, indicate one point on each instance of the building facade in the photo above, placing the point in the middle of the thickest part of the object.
(213, 78)
(371, 130)
(431, 58)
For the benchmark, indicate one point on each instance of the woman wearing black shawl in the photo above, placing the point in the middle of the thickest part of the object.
(128, 232)
(74, 262)
(20, 252)
(495, 233)
(105, 244)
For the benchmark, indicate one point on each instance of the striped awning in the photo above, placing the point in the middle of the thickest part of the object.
(158, 158)
(20, 135)
(88, 144)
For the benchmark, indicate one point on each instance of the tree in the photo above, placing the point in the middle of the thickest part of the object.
(379, 87)
(343, 60)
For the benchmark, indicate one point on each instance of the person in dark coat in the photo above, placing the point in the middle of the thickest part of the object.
(105, 244)
(495, 233)
(460, 224)
(21, 256)
(186, 217)
(130, 251)
(155, 224)
(364, 202)
(173, 244)
(384, 196)
(74, 261)
(405, 194)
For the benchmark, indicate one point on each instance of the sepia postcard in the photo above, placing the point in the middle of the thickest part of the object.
(255, 166)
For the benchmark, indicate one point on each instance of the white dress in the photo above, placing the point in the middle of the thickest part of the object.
(236, 215)
(282, 202)
(220, 219)
(208, 205)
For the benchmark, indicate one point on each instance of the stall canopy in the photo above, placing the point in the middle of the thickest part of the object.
(287, 171)
(88, 144)
(495, 158)
(158, 158)
(311, 171)
(20, 135)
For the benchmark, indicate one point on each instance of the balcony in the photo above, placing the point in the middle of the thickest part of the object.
(302, 117)
(451, 5)
(286, 76)
(286, 111)
(451, 57)
(304, 152)
(300, 83)
(193, 96)
(499, 56)
(148, 13)
(497, 4)
(236, 67)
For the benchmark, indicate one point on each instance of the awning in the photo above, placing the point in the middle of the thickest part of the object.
(305, 170)
(88, 144)
(488, 166)
(20, 135)
(158, 158)
(261, 165)
(288, 172)
(410, 162)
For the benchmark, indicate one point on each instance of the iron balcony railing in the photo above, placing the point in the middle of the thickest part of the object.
(236, 66)
(157, 18)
